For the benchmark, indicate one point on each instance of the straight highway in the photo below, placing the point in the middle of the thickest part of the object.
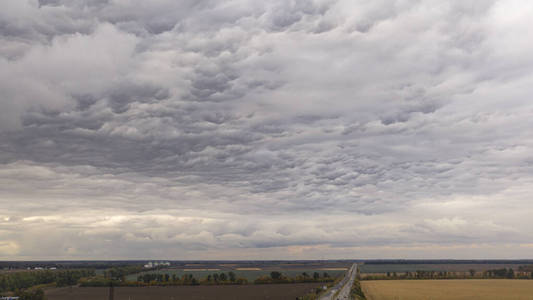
(343, 287)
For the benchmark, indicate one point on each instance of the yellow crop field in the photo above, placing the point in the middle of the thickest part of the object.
(448, 289)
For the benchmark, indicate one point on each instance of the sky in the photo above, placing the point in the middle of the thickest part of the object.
(284, 129)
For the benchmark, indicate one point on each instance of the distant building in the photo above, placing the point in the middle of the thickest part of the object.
(9, 298)
(154, 264)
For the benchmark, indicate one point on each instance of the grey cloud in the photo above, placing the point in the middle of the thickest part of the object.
(302, 128)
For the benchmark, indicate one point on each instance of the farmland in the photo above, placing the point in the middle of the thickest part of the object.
(448, 289)
(221, 292)
(249, 270)
(249, 274)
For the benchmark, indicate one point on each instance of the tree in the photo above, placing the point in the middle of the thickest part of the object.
(215, 277)
(223, 277)
(325, 275)
(275, 275)
(37, 294)
(472, 272)
(231, 276)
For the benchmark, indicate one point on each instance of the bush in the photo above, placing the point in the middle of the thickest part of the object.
(36, 294)
(357, 292)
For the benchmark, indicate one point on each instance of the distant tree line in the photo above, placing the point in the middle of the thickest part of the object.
(443, 262)
(189, 279)
(526, 268)
(159, 279)
(120, 273)
(12, 281)
(22, 283)
(278, 277)
(502, 273)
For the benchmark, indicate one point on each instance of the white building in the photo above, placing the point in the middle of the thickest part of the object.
(154, 264)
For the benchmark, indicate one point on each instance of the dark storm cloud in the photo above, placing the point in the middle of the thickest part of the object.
(209, 129)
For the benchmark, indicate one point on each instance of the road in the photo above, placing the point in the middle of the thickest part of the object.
(344, 286)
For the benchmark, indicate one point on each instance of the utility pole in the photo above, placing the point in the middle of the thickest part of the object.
(111, 291)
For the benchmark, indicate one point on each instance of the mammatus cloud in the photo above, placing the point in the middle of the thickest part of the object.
(287, 129)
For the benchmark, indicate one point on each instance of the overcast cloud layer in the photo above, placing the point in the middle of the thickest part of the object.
(266, 129)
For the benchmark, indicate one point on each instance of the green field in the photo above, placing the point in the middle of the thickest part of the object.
(250, 275)
(472, 289)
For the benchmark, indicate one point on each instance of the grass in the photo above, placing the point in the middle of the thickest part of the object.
(474, 289)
